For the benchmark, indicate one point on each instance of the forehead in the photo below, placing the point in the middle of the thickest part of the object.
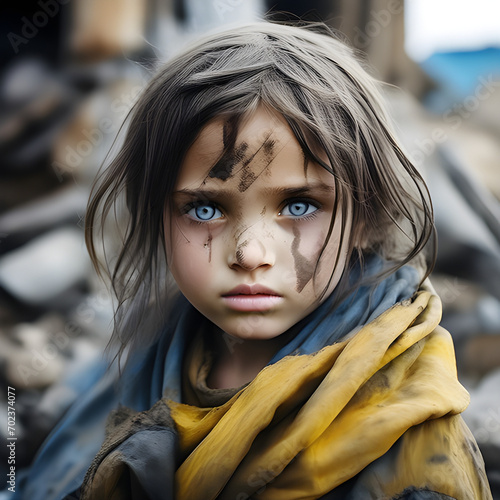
(260, 148)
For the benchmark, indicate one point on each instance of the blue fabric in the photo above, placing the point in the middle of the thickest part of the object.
(62, 462)
(150, 477)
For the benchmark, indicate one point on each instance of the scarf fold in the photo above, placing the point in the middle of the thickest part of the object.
(381, 406)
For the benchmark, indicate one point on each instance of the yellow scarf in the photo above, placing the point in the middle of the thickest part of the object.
(382, 405)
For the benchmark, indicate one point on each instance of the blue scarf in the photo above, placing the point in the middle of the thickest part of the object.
(61, 464)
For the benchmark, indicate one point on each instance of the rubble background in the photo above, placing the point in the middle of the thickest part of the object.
(71, 70)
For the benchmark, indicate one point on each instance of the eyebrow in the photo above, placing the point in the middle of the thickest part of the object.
(289, 191)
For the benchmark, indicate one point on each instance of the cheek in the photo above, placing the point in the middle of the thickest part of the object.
(306, 246)
(182, 236)
(304, 262)
(188, 253)
(306, 249)
(310, 240)
(190, 268)
(328, 263)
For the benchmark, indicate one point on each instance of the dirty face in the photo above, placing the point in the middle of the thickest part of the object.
(248, 223)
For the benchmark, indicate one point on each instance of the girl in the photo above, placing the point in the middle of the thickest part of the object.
(298, 354)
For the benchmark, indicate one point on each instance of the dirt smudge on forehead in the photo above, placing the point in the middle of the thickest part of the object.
(236, 159)
(231, 155)
(248, 176)
(304, 268)
(229, 132)
(223, 169)
(268, 146)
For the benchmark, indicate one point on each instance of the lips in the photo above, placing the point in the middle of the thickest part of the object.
(251, 298)
(254, 289)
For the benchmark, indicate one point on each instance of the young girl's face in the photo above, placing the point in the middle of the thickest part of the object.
(247, 228)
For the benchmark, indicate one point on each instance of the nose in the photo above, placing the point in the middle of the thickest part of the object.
(251, 254)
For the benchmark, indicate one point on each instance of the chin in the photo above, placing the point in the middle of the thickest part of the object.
(254, 328)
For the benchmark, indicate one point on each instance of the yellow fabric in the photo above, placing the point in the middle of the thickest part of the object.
(309, 423)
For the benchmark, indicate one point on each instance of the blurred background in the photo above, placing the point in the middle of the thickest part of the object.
(71, 69)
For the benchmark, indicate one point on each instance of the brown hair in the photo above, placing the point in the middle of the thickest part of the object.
(332, 105)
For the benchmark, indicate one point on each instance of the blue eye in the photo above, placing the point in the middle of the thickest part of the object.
(205, 212)
(298, 209)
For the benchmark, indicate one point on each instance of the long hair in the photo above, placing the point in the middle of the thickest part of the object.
(332, 105)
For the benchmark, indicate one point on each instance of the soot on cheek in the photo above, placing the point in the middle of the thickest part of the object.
(304, 268)
(208, 246)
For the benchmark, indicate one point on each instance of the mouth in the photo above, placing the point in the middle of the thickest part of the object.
(251, 298)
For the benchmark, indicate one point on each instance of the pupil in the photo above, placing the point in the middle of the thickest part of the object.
(205, 212)
(298, 208)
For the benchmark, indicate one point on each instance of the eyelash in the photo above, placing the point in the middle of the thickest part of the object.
(188, 207)
(308, 216)
(308, 201)
(195, 204)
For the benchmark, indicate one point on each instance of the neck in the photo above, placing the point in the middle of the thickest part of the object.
(238, 361)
